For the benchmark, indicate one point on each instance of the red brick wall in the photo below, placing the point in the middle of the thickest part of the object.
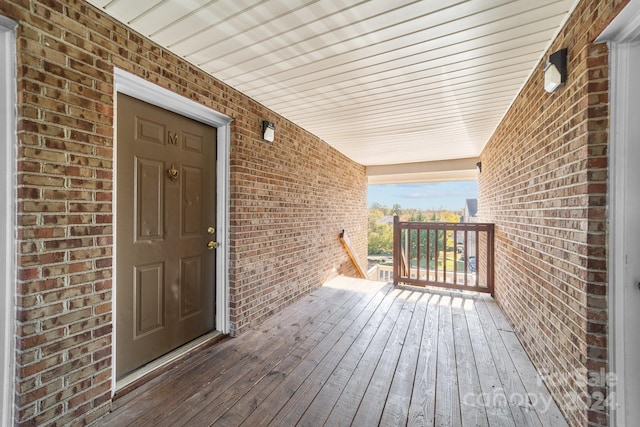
(544, 184)
(289, 201)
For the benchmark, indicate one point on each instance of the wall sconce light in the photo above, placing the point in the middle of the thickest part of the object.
(268, 131)
(555, 70)
(479, 166)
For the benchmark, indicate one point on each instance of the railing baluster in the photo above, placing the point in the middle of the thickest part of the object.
(477, 258)
(397, 258)
(455, 257)
(408, 251)
(428, 254)
(418, 254)
(465, 258)
(444, 255)
(437, 258)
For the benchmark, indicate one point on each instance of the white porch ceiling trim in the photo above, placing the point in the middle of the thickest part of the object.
(437, 171)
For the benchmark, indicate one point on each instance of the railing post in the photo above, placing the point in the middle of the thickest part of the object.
(491, 255)
(397, 254)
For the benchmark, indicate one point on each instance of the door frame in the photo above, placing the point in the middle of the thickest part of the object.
(139, 88)
(8, 117)
(623, 31)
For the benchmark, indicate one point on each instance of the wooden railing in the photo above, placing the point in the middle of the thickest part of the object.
(451, 255)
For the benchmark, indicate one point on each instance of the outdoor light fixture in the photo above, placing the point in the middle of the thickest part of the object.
(555, 70)
(479, 166)
(268, 131)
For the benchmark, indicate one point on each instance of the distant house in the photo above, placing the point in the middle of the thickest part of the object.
(469, 215)
(387, 219)
(470, 211)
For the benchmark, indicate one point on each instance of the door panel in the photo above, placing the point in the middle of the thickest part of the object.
(165, 276)
(149, 200)
(148, 299)
(149, 131)
(193, 142)
(191, 214)
(190, 278)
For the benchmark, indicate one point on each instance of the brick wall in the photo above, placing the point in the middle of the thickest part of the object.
(289, 201)
(544, 184)
(289, 204)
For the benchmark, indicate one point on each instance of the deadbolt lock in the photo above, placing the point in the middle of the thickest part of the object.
(211, 230)
(212, 245)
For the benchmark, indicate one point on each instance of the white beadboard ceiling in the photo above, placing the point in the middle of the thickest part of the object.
(386, 82)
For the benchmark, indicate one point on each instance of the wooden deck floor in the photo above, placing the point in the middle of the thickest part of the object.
(355, 353)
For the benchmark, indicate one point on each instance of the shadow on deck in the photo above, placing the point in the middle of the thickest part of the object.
(360, 353)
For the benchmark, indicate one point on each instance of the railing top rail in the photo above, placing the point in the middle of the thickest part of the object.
(458, 226)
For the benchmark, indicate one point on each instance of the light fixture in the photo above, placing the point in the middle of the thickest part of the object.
(479, 166)
(555, 70)
(268, 131)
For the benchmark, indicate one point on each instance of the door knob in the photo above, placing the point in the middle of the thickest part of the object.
(212, 245)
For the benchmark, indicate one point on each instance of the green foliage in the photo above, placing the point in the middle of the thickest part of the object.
(378, 207)
(380, 232)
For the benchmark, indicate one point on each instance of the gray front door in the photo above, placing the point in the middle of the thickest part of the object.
(165, 280)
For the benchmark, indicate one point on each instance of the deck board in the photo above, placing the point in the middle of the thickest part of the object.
(354, 352)
(473, 414)
(352, 396)
(273, 404)
(396, 408)
(306, 380)
(375, 397)
(323, 403)
(422, 407)
(326, 325)
(230, 360)
(290, 335)
(447, 391)
(517, 396)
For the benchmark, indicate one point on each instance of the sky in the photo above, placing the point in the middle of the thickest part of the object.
(430, 195)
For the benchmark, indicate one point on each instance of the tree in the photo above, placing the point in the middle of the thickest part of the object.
(377, 206)
(419, 217)
(448, 216)
(380, 234)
